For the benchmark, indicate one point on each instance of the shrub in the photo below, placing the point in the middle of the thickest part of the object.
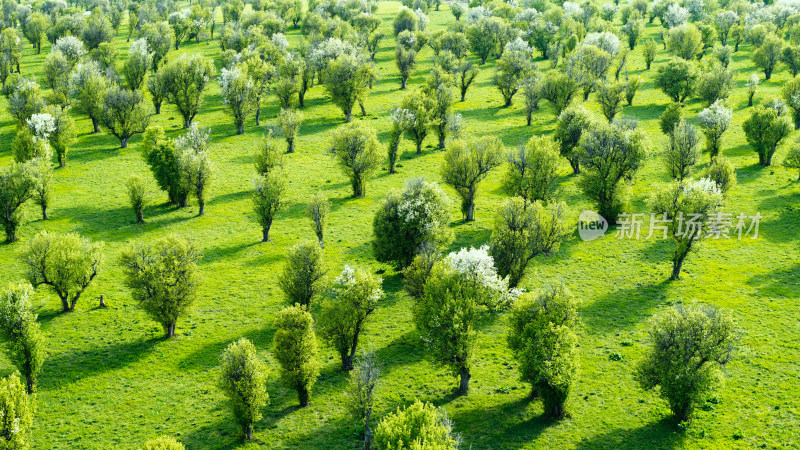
(163, 443)
(417, 426)
(136, 191)
(670, 118)
(721, 172)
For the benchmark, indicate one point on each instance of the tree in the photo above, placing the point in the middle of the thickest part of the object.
(721, 171)
(187, 77)
(164, 161)
(791, 96)
(34, 30)
(402, 119)
(289, 121)
(318, 208)
(670, 118)
(17, 410)
(405, 20)
(523, 231)
(676, 78)
(571, 124)
(610, 155)
(764, 130)
(55, 70)
(697, 201)
(531, 92)
(587, 66)
(768, 54)
(724, 21)
(124, 114)
(484, 36)
(752, 88)
(43, 173)
(140, 60)
(543, 340)
(790, 55)
(466, 75)
(406, 59)
(715, 83)
(196, 170)
(244, 381)
(268, 198)
(348, 80)
(407, 220)
(17, 184)
(159, 89)
(714, 121)
(514, 66)
(649, 50)
(66, 262)
(353, 297)
(681, 153)
(690, 346)
(162, 276)
(558, 88)
(136, 192)
(610, 96)
(163, 443)
(238, 95)
(25, 100)
(532, 169)
(160, 38)
(419, 107)
(361, 389)
(97, 30)
(685, 41)
(417, 426)
(466, 164)
(89, 86)
(25, 342)
(296, 350)
(355, 148)
(302, 277)
(63, 134)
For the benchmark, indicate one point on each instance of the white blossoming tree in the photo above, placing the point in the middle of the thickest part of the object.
(714, 121)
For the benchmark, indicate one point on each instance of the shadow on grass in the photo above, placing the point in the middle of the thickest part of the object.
(622, 308)
(405, 349)
(208, 356)
(69, 367)
(663, 434)
(508, 423)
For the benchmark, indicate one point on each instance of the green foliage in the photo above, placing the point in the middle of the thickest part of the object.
(715, 83)
(269, 197)
(558, 88)
(136, 193)
(690, 346)
(356, 149)
(768, 54)
(348, 80)
(670, 118)
(318, 208)
(17, 185)
(407, 220)
(610, 96)
(244, 381)
(524, 230)
(542, 337)
(16, 410)
(685, 41)
(764, 130)
(124, 114)
(162, 278)
(466, 164)
(67, 263)
(354, 295)
(302, 275)
(361, 391)
(64, 133)
(164, 161)
(682, 153)
(571, 124)
(186, 77)
(420, 425)
(296, 350)
(532, 170)
(25, 342)
(676, 78)
(163, 443)
(722, 172)
(289, 121)
(791, 96)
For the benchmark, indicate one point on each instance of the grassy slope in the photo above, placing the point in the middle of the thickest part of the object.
(110, 381)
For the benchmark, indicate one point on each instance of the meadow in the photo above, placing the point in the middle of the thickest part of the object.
(110, 380)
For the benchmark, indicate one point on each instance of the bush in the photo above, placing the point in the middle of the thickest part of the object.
(406, 220)
(690, 346)
(244, 378)
(136, 191)
(163, 443)
(544, 343)
(162, 278)
(296, 350)
(721, 171)
(417, 426)
(353, 297)
(302, 275)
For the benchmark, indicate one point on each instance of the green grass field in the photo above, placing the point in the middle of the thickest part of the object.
(111, 381)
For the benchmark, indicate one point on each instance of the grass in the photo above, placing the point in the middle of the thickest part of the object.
(111, 381)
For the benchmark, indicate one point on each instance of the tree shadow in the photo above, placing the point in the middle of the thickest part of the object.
(510, 423)
(207, 357)
(623, 308)
(69, 367)
(662, 434)
(405, 349)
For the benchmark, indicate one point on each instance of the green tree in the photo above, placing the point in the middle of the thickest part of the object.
(670, 118)
(764, 130)
(302, 277)
(523, 231)
(543, 340)
(17, 185)
(558, 88)
(681, 152)
(348, 80)
(791, 96)
(466, 164)
(768, 54)
(136, 192)
(417, 426)
(89, 87)
(409, 219)
(318, 208)
(244, 381)
(163, 443)
(714, 121)
(676, 78)
(512, 68)
(269, 197)
(697, 201)
(571, 124)
(353, 297)
(685, 41)
(124, 114)
(649, 50)
(419, 107)
(25, 342)
(187, 76)
(296, 350)
(361, 391)
(690, 346)
(34, 30)
(17, 410)
(63, 135)
(532, 169)
(610, 96)
(162, 277)
(356, 149)
(722, 172)
(238, 95)
(289, 122)
(66, 262)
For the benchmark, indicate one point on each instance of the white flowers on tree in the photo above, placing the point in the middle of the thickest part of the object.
(477, 267)
(71, 47)
(715, 120)
(41, 125)
(675, 16)
(606, 41)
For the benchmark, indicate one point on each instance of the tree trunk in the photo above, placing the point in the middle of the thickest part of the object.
(187, 122)
(95, 125)
(441, 141)
(139, 216)
(348, 115)
(303, 396)
(528, 117)
(158, 107)
(258, 113)
(321, 242)
(363, 110)
(123, 142)
(201, 206)
(402, 82)
(463, 386)
(44, 212)
(576, 166)
(11, 231)
(750, 101)
(508, 102)
(347, 361)
(62, 159)
(367, 435)
(29, 384)
(248, 432)
(290, 146)
(419, 147)
(169, 330)
(240, 128)
(358, 186)
(64, 304)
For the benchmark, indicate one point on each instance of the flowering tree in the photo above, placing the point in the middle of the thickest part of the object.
(714, 121)
(353, 297)
(238, 95)
(140, 60)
